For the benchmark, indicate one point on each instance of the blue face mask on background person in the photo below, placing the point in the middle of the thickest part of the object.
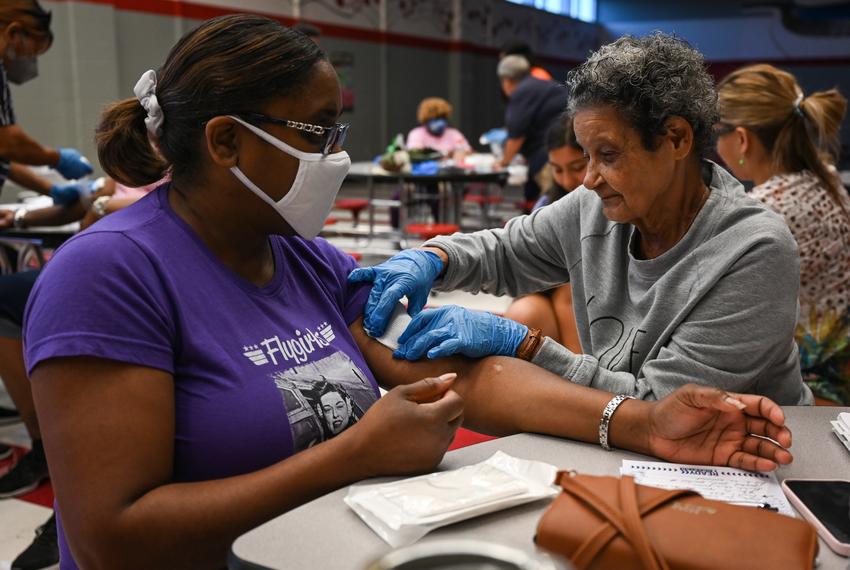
(20, 68)
(436, 126)
(311, 197)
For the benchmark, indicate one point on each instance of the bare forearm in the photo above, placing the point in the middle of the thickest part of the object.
(17, 146)
(54, 215)
(444, 257)
(503, 396)
(116, 204)
(512, 147)
(24, 176)
(191, 525)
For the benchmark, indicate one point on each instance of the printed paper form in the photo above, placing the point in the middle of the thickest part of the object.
(841, 428)
(718, 483)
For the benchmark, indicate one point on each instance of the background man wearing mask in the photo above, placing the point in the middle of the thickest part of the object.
(25, 35)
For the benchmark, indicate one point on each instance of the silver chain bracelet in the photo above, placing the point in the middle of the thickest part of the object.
(606, 418)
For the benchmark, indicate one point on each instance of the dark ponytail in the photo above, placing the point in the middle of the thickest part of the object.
(123, 148)
(228, 65)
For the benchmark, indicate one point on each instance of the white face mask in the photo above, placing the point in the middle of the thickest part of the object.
(311, 196)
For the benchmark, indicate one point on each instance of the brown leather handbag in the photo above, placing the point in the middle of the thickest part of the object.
(612, 523)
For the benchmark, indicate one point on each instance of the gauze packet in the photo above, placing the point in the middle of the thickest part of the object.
(402, 512)
(397, 323)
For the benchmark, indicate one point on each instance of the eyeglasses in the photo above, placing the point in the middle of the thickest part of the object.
(330, 137)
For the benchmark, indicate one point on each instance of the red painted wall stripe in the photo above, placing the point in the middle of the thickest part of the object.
(199, 11)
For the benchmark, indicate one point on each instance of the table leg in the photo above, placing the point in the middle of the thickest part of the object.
(402, 213)
(370, 185)
(457, 198)
(444, 193)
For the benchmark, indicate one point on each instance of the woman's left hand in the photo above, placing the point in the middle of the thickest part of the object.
(7, 219)
(703, 425)
(456, 330)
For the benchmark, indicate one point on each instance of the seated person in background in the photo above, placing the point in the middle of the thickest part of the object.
(114, 196)
(566, 161)
(552, 311)
(31, 468)
(434, 131)
(770, 132)
(187, 409)
(677, 275)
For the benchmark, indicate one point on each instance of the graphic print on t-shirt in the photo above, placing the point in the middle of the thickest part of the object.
(323, 398)
(297, 347)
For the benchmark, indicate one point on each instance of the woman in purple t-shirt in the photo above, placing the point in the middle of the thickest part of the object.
(199, 362)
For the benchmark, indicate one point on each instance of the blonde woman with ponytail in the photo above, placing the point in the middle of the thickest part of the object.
(784, 140)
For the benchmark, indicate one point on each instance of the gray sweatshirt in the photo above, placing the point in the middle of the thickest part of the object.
(719, 308)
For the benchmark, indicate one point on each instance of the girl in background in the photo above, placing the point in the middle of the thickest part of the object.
(552, 310)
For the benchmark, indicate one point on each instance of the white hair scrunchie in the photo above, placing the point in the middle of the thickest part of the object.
(797, 102)
(145, 91)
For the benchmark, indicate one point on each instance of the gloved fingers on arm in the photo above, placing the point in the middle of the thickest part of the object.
(420, 323)
(372, 300)
(416, 301)
(376, 320)
(64, 194)
(446, 348)
(362, 275)
(417, 346)
(73, 165)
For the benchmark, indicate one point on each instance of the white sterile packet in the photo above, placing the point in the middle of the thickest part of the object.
(395, 326)
(402, 512)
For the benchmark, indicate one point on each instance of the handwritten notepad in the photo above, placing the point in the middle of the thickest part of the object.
(718, 483)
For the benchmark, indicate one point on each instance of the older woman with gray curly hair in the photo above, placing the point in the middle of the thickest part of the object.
(677, 275)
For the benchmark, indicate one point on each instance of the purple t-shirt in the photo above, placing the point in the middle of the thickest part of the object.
(259, 373)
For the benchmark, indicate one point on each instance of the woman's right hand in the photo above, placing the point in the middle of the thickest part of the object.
(409, 273)
(410, 428)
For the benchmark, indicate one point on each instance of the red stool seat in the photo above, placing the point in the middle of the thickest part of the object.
(353, 205)
(428, 231)
(329, 221)
(355, 255)
(480, 199)
(525, 205)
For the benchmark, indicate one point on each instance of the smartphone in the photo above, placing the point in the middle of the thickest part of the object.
(826, 504)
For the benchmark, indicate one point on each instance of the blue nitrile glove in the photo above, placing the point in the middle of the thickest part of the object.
(409, 273)
(426, 168)
(494, 136)
(72, 165)
(456, 330)
(64, 194)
